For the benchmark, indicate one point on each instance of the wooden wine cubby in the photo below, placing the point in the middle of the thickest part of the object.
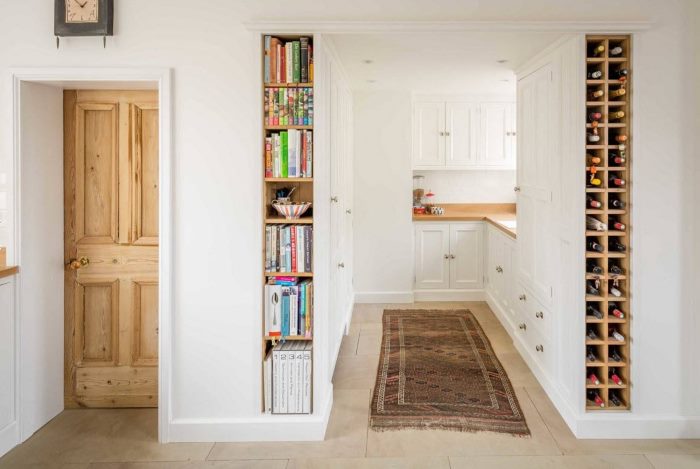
(609, 127)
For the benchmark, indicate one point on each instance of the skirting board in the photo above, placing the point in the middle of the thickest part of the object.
(449, 295)
(9, 438)
(254, 429)
(384, 297)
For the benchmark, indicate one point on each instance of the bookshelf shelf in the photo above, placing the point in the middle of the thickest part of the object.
(607, 349)
(287, 172)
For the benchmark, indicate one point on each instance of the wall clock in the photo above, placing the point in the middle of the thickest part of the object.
(83, 18)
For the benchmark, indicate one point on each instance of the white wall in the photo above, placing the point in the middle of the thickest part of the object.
(475, 187)
(383, 227)
(41, 256)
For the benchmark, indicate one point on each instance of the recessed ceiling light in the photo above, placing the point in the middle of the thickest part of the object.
(505, 80)
(367, 61)
(371, 81)
(502, 61)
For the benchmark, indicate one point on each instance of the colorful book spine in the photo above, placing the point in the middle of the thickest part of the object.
(268, 157)
(284, 155)
(304, 53)
(296, 61)
(266, 65)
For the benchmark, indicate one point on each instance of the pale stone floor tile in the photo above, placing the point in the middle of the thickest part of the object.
(348, 347)
(516, 369)
(357, 372)
(675, 461)
(102, 435)
(357, 328)
(636, 461)
(369, 344)
(346, 435)
(371, 463)
(406, 443)
(245, 464)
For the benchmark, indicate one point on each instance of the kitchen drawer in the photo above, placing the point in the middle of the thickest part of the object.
(536, 345)
(534, 311)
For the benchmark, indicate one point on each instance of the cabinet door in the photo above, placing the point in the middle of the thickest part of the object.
(7, 364)
(508, 277)
(428, 134)
(466, 256)
(432, 256)
(495, 261)
(462, 125)
(494, 148)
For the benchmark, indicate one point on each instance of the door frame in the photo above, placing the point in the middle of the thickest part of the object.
(85, 77)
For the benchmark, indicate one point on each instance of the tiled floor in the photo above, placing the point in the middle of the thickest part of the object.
(126, 439)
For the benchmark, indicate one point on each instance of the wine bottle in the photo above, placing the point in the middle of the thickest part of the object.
(591, 289)
(595, 246)
(595, 116)
(593, 160)
(593, 311)
(616, 269)
(593, 378)
(598, 50)
(614, 400)
(620, 72)
(613, 310)
(595, 224)
(614, 356)
(616, 160)
(590, 355)
(621, 139)
(618, 92)
(595, 74)
(617, 225)
(612, 332)
(616, 246)
(593, 95)
(616, 51)
(616, 115)
(614, 291)
(591, 334)
(592, 203)
(593, 137)
(594, 397)
(617, 203)
(614, 377)
(616, 182)
(593, 268)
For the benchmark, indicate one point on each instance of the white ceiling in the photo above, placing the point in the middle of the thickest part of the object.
(438, 62)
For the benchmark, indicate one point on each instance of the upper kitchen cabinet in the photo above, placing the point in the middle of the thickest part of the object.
(459, 135)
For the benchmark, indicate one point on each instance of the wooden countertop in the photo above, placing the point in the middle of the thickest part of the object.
(491, 213)
(8, 270)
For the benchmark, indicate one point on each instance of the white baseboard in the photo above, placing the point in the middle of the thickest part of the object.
(9, 437)
(384, 297)
(449, 295)
(262, 428)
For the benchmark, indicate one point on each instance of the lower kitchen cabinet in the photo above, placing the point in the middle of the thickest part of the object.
(501, 271)
(449, 256)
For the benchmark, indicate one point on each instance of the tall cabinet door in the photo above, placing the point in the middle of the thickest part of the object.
(462, 130)
(535, 108)
(496, 135)
(466, 256)
(428, 134)
(432, 256)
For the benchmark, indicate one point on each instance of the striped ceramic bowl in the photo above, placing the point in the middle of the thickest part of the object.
(292, 211)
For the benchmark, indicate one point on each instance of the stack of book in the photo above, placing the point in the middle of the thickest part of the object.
(288, 248)
(288, 62)
(289, 154)
(289, 106)
(288, 307)
(288, 372)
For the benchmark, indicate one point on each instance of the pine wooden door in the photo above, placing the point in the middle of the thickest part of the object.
(111, 248)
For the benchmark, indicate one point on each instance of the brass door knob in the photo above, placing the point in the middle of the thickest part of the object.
(76, 264)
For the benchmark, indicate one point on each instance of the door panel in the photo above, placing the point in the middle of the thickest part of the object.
(428, 143)
(466, 265)
(461, 123)
(432, 267)
(494, 125)
(111, 222)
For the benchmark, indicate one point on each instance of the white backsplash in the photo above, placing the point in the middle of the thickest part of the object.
(451, 187)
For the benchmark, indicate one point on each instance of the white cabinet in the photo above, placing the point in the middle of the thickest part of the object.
(449, 256)
(9, 430)
(501, 262)
(463, 135)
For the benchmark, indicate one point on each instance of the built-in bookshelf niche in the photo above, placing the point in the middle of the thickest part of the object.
(288, 223)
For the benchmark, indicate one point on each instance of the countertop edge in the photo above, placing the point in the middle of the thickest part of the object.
(486, 218)
(8, 270)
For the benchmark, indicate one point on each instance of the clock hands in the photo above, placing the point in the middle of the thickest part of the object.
(82, 5)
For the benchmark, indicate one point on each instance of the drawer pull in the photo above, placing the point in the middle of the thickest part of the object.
(499, 269)
(522, 297)
(539, 314)
(539, 348)
(523, 326)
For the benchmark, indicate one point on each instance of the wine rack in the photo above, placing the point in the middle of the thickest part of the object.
(608, 186)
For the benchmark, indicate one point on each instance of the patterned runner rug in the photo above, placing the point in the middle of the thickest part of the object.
(437, 370)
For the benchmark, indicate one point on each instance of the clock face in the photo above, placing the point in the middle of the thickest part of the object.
(82, 11)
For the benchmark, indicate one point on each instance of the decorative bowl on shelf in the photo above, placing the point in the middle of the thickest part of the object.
(291, 210)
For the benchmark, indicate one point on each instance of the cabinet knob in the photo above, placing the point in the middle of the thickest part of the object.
(334, 198)
(447, 134)
(522, 297)
(341, 265)
(523, 326)
(539, 348)
(499, 269)
(442, 134)
(446, 256)
(539, 314)
(348, 211)
(516, 189)
(452, 256)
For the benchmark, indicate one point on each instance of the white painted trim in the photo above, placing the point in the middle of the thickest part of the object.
(265, 427)
(384, 297)
(371, 27)
(500, 314)
(161, 76)
(449, 295)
